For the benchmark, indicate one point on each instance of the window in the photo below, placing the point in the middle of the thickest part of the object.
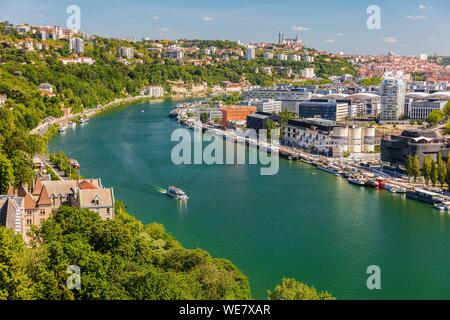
(42, 212)
(29, 222)
(108, 211)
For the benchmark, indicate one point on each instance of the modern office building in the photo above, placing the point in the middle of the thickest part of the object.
(265, 105)
(395, 149)
(329, 138)
(393, 97)
(331, 110)
(258, 120)
(288, 96)
(235, 113)
(420, 109)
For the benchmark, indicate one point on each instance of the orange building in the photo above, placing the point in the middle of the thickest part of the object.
(235, 113)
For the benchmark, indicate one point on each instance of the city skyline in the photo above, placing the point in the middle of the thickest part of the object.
(407, 28)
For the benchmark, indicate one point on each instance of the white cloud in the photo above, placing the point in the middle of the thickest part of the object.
(300, 28)
(390, 40)
(416, 17)
(155, 17)
(339, 34)
(329, 40)
(422, 7)
(165, 29)
(208, 18)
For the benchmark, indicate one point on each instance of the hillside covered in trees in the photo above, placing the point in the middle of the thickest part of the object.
(118, 259)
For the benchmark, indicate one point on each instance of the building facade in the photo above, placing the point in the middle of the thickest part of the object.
(330, 110)
(258, 121)
(22, 209)
(235, 113)
(76, 45)
(153, 91)
(421, 109)
(392, 97)
(328, 138)
(395, 149)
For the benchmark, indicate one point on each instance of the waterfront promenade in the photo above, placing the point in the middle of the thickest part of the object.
(45, 125)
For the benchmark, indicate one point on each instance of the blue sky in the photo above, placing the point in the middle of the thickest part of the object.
(407, 26)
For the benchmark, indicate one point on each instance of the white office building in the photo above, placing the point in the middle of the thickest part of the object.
(420, 109)
(393, 97)
(327, 137)
(265, 105)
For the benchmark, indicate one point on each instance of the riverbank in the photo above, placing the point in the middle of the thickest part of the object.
(356, 172)
(46, 125)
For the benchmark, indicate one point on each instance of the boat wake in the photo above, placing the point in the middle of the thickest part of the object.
(161, 190)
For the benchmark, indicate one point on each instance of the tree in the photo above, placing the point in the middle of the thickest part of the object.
(285, 116)
(270, 125)
(435, 117)
(447, 110)
(416, 167)
(448, 171)
(426, 169)
(442, 170)
(6, 174)
(23, 168)
(291, 289)
(15, 284)
(447, 128)
(204, 117)
(409, 165)
(434, 173)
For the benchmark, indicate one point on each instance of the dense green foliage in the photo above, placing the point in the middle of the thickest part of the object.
(375, 81)
(290, 289)
(118, 259)
(6, 174)
(435, 117)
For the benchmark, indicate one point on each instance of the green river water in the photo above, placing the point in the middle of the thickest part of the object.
(300, 223)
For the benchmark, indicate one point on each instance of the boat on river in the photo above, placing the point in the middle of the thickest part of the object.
(357, 181)
(176, 193)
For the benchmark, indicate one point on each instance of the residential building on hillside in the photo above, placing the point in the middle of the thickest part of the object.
(250, 53)
(76, 45)
(153, 91)
(126, 52)
(22, 209)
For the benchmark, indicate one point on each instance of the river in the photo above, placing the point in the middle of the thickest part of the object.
(300, 223)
